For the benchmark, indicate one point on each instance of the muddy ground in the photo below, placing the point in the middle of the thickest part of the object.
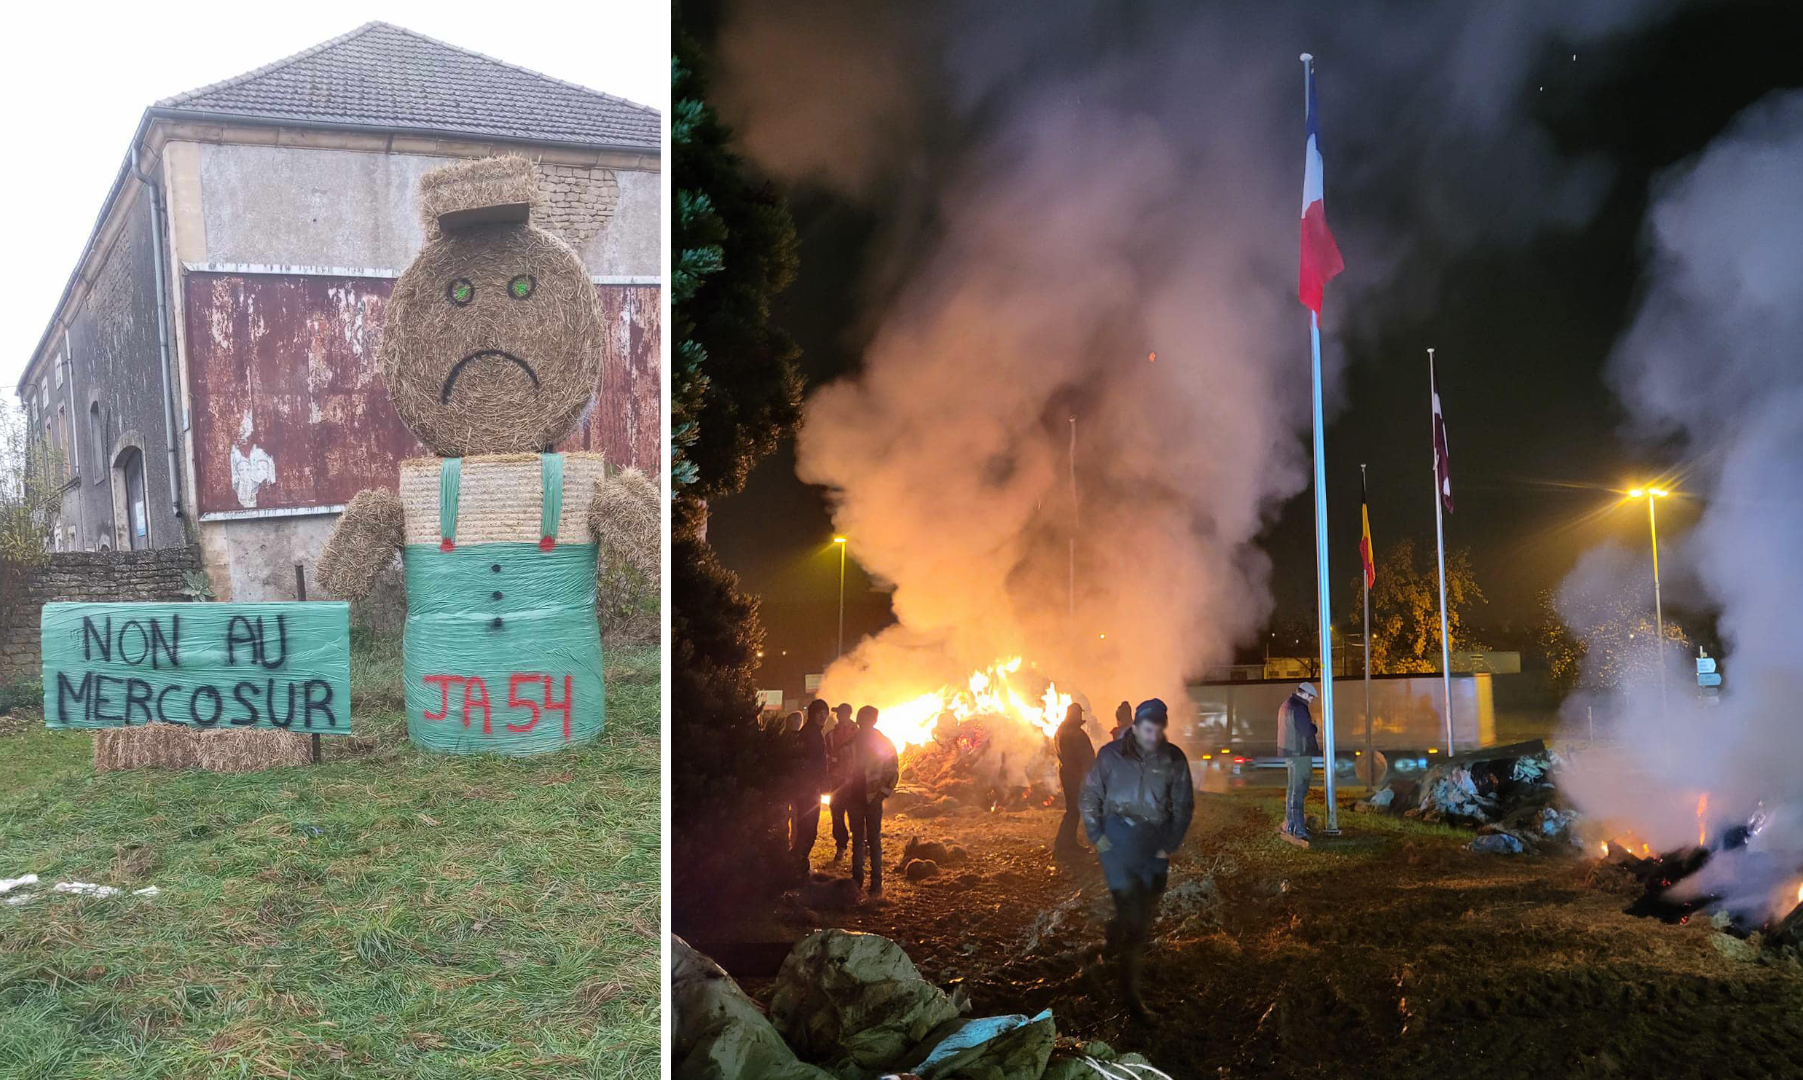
(1391, 952)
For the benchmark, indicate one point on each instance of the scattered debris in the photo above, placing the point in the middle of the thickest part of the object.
(21, 894)
(852, 1005)
(83, 888)
(1497, 843)
(920, 869)
(719, 1033)
(942, 852)
(998, 1046)
(854, 1002)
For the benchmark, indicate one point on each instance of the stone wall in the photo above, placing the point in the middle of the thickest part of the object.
(92, 577)
(578, 201)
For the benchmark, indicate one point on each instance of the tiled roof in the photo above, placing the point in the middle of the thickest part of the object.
(386, 77)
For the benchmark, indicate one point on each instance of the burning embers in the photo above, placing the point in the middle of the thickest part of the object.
(1749, 890)
(987, 743)
(993, 693)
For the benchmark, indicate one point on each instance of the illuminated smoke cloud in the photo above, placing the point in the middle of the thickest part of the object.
(1071, 188)
(1712, 360)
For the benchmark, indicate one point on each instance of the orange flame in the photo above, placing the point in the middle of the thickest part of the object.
(1702, 826)
(989, 691)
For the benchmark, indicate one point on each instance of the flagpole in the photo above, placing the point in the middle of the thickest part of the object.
(1071, 585)
(1324, 599)
(1364, 525)
(1440, 549)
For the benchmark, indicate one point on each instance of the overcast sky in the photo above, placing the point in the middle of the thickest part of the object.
(79, 78)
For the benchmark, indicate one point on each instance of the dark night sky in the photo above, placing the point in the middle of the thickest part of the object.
(1523, 335)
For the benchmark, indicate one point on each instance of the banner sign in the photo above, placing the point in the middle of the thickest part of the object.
(282, 666)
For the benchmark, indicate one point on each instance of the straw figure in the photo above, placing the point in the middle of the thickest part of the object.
(491, 348)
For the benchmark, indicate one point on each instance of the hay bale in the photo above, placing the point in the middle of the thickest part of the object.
(500, 498)
(478, 192)
(492, 338)
(178, 746)
(362, 546)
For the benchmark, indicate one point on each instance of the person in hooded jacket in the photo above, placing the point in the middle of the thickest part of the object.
(1137, 803)
(810, 779)
(1123, 719)
(1298, 740)
(1075, 755)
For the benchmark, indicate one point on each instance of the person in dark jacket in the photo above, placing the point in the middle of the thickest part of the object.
(1075, 755)
(1123, 719)
(838, 754)
(1137, 803)
(1298, 740)
(810, 781)
(872, 773)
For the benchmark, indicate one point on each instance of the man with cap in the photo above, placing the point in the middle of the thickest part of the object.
(1298, 740)
(1137, 803)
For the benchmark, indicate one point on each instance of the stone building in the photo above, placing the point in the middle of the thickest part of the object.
(209, 371)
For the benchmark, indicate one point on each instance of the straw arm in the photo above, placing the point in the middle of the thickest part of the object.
(624, 517)
(363, 542)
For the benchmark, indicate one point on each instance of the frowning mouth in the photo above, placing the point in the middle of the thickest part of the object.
(444, 396)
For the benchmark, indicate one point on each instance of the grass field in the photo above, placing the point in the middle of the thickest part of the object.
(385, 914)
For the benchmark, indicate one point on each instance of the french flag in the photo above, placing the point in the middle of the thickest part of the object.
(1320, 255)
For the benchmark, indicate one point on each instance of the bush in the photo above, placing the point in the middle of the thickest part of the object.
(24, 693)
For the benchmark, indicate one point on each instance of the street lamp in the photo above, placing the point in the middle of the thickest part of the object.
(840, 540)
(1652, 495)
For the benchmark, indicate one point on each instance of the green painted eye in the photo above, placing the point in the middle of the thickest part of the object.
(521, 287)
(460, 292)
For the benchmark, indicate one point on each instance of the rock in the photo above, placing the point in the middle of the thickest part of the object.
(854, 1002)
(920, 869)
(917, 848)
(720, 1034)
(1496, 843)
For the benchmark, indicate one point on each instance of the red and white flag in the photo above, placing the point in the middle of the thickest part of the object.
(1442, 459)
(1320, 255)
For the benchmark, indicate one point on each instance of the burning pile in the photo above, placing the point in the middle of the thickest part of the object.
(986, 744)
(1718, 876)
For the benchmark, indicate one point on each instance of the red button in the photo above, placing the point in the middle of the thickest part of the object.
(547, 543)
(445, 544)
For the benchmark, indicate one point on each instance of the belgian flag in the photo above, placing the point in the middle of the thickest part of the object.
(1365, 555)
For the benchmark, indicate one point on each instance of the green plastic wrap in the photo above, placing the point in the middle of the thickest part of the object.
(280, 666)
(502, 650)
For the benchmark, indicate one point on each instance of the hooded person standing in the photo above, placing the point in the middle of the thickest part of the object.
(1137, 803)
(1123, 719)
(1075, 755)
(874, 770)
(809, 781)
(1298, 740)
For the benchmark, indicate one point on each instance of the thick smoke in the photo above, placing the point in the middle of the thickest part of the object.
(1077, 186)
(1712, 361)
